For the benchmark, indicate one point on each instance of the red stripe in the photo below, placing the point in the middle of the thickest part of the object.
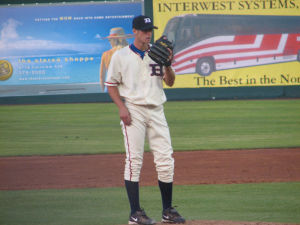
(128, 149)
(110, 83)
(192, 65)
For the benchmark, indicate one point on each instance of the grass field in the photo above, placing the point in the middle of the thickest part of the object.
(270, 202)
(94, 128)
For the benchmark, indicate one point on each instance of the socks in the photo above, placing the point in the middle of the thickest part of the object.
(166, 193)
(132, 189)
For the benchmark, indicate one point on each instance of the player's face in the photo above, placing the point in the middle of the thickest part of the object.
(146, 35)
(143, 37)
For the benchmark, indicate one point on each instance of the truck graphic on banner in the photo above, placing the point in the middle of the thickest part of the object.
(207, 43)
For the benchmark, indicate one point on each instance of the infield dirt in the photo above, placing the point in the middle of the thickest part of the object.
(193, 167)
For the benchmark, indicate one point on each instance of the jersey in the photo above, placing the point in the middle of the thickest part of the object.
(140, 81)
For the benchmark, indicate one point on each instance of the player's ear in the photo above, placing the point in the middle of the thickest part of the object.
(134, 31)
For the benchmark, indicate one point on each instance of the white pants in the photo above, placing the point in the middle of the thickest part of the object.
(150, 122)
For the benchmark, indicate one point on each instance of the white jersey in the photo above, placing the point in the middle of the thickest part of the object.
(140, 81)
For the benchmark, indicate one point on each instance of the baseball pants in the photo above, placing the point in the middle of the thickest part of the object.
(147, 122)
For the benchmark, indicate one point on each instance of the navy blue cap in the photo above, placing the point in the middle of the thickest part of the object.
(143, 23)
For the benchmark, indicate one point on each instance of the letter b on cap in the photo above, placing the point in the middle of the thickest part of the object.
(147, 20)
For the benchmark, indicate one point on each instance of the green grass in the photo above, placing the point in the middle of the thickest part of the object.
(59, 129)
(266, 202)
(94, 128)
(234, 124)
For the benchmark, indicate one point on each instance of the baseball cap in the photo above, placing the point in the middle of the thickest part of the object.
(143, 23)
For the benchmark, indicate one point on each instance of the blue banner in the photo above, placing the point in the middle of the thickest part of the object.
(60, 44)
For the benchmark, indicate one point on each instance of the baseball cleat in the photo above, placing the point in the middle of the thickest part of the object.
(170, 215)
(140, 217)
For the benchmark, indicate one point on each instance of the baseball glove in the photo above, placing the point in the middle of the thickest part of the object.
(159, 52)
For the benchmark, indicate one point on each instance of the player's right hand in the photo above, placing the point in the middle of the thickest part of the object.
(125, 116)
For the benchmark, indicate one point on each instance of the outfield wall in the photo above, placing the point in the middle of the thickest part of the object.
(280, 80)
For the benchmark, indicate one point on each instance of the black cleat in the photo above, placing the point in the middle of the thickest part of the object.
(140, 217)
(170, 215)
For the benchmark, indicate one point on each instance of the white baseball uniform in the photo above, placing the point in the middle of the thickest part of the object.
(139, 82)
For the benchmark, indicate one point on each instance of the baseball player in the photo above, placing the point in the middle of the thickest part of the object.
(135, 84)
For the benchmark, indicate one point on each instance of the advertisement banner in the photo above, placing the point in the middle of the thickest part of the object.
(232, 43)
(61, 48)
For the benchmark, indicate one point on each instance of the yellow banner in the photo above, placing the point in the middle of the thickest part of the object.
(232, 43)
